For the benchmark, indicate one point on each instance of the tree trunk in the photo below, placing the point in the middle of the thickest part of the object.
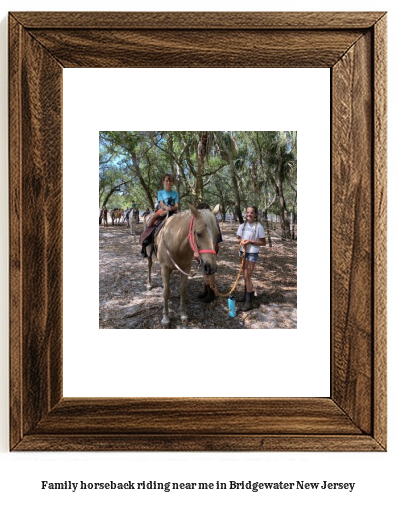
(234, 183)
(293, 236)
(286, 233)
(269, 239)
(142, 180)
(236, 194)
(254, 175)
(201, 154)
(112, 191)
(175, 173)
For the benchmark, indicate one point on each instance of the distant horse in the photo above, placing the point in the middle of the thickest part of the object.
(133, 220)
(116, 215)
(131, 223)
(104, 217)
(184, 234)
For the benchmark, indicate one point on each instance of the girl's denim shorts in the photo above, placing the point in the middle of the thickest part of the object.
(252, 257)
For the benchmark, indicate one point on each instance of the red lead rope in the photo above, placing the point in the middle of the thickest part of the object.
(193, 242)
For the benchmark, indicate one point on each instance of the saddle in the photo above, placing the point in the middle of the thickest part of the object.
(147, 237)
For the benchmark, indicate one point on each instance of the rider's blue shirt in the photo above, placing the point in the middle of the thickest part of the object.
(168, 198)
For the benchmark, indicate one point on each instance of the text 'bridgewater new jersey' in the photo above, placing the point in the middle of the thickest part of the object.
(172, 486)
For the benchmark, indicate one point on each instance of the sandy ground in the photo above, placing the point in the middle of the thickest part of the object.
(125, 302)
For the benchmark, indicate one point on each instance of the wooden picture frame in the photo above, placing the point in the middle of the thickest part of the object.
(353, 46)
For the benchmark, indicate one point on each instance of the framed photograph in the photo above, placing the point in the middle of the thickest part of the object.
(353, 46)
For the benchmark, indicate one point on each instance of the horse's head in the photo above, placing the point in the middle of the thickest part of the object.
(205, 231)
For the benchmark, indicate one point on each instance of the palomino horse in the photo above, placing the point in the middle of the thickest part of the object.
(184, 234)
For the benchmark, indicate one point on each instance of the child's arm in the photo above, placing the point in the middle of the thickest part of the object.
(257, 242)
(164, 207)
(176, 205)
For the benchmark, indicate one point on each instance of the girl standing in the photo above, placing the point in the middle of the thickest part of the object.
(252, 235)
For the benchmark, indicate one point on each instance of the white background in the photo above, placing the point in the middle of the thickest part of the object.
(236, 362)
(20, 474)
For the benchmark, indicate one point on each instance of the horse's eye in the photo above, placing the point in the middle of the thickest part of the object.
(198, 234)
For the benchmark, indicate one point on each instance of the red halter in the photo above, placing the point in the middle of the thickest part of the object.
(193, 242)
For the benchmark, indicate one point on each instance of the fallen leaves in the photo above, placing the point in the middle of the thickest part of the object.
(126, 303)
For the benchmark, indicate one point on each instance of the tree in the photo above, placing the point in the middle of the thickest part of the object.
(281, 162)
(232, 168)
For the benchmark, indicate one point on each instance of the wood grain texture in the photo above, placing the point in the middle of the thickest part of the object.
(352, 232)
(15, 229)
(380, 229)
(36, 230)
(353, 45)
(196, 48)
(199, 443)
(200, 21)
(173, 416)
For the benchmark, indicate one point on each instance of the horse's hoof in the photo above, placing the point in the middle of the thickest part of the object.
(165, 321)
(148, 286)
(184, 318)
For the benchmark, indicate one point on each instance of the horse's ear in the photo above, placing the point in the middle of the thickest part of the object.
(193, 210)
(215, 211)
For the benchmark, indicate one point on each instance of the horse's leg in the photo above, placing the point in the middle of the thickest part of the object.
(165, 275)
(149, 267)
(182, 308)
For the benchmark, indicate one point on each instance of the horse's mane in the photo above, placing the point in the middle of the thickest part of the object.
(205, 214)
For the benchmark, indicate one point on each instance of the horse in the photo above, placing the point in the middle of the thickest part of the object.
(133, 219)
(131, 223)
(184, 234)
(116, 214)
(104, 217)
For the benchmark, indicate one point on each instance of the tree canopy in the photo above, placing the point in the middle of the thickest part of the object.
(234, 169)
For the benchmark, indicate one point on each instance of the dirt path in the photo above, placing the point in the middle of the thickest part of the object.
(125, 303)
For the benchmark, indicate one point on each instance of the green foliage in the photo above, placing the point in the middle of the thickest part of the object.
(238, 167)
